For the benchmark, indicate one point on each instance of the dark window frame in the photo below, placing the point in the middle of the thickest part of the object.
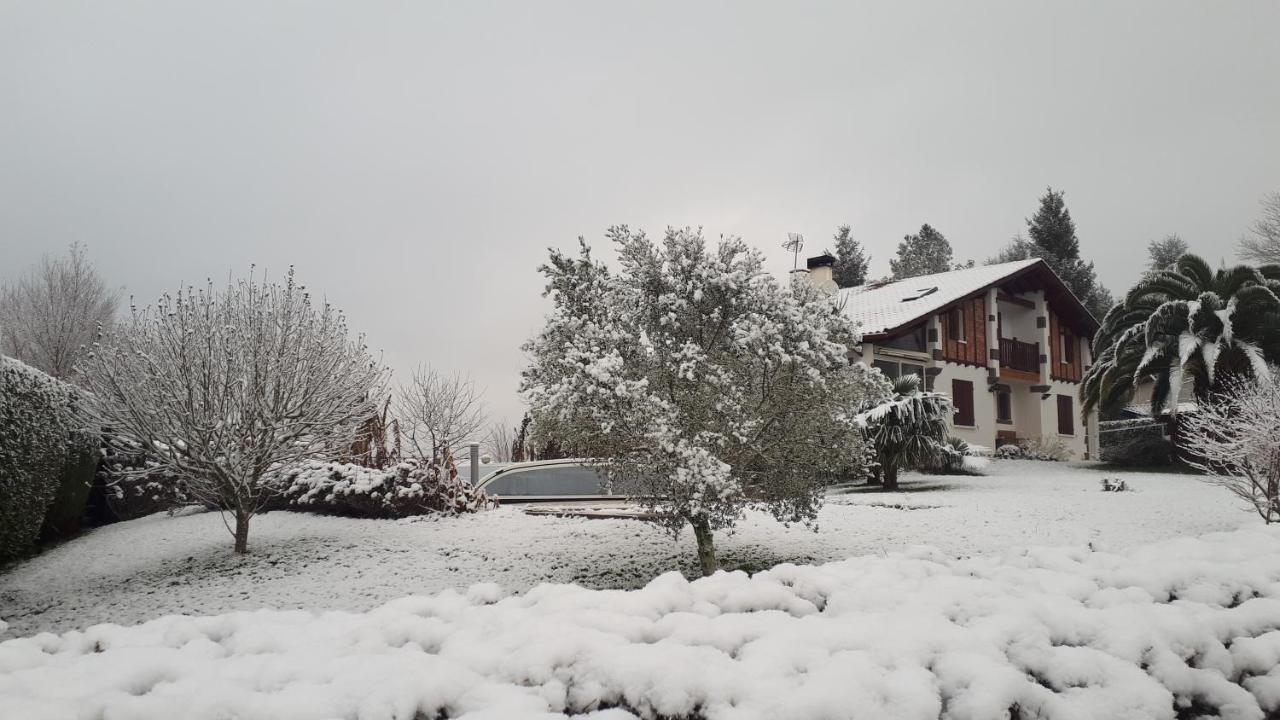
(1066, 415)
(962, 402)
(1004, 407)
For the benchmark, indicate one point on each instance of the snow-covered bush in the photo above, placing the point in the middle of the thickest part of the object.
(957, 457)
(1009, 451)
(37, 430)
(908, 430)
(1234, 438)
(1177, 630)
(134, 484)
(1115, 485)
(220, 387)
(1047, 449)
(405, 489)
(702, 384)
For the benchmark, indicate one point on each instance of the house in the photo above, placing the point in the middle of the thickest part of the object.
(1009, 343)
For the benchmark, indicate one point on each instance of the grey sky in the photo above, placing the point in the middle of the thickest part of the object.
(415, 160)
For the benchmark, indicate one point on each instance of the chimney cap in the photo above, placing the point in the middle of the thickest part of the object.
(823, 260)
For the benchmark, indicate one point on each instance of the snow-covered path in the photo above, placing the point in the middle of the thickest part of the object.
(131, 572)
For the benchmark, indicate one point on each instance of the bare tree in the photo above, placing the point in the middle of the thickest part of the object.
(1264, 247)
(52, 314)
(1235, 439)
(227, 388)
(439, 412)
(501, 441)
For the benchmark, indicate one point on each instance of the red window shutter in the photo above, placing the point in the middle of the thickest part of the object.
(1066, 416)
(962, 399)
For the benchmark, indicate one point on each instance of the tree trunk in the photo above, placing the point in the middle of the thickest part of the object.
(242, 532)
(706, 545)
(891, 478)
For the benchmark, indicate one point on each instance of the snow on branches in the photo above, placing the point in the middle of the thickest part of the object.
(222, 387)
(1235, 439)
(704, 385)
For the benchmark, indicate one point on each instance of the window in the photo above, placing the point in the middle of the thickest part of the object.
(563, 480)
(912, 340)
(1066, 416)
(955, 325)
(1004, 407)
(894, 370)
(920, 293)
(962, 398)
(1068, 353)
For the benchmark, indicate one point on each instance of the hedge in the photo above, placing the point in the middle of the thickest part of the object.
(36, 413)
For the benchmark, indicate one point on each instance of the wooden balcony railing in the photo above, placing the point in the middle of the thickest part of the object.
(1017, 355)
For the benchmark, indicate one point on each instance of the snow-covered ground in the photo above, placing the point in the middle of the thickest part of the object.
(1187, 628)
(135, 571)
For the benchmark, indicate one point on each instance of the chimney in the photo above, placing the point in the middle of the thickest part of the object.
(821, 272)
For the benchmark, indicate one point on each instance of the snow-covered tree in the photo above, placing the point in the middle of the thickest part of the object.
(909, 429)
(1053, 238)
(703, 385)
(49, 316)
(500, 441)
(925, 253)
(1234, 438)
(1264, 245)
(1185, 321)
(1163, 253)
(439, 411)
(851, 261)
(227, 388)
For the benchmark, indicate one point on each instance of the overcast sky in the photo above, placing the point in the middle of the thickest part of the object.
(415, 160)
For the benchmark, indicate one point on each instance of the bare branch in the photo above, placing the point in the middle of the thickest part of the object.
(225, 389)
(1264, 246)
(50, 316)
(439, 412)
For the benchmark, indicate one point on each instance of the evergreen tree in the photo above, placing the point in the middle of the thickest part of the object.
(1165, 252)
(851, 261)
(1053, 235)
(924, 253)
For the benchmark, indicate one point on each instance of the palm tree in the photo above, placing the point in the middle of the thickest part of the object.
(1185, 321)
(908, 430)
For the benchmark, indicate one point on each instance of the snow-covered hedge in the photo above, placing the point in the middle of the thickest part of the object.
(1187, 628)
(409, 488)
(36, 432)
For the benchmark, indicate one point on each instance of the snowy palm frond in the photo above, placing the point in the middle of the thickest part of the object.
(1184, 322)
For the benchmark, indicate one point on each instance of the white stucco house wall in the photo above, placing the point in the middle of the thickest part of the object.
(1008, 342)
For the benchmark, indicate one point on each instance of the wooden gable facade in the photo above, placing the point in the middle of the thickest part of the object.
(964, 332)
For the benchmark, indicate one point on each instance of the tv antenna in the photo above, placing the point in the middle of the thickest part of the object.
(794, 243)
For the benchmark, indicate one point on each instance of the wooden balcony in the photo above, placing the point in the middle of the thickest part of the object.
(1019, 360)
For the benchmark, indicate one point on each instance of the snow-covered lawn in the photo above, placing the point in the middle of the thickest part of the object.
(1181, 629)
(136, 571)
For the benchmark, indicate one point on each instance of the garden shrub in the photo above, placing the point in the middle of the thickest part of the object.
(1010, 451)
(957, 457)
(406, 489)
(1051, 450)
(75, 481)
(132, 487)
(36, 414)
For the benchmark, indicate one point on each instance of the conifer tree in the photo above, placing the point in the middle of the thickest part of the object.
(924, 253)
(1053, 237)
(851, 261)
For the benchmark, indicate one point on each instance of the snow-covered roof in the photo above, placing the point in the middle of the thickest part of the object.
(880, 307)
